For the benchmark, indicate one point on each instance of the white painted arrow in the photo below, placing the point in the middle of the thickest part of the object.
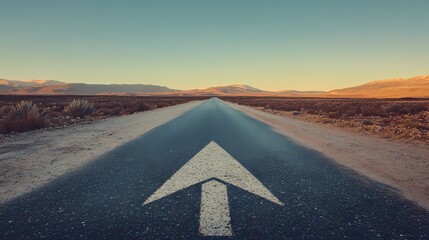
(213, 162)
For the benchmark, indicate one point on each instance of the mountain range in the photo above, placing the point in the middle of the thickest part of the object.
(391, 88)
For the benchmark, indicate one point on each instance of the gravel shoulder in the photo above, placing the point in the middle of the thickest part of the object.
(29, 160)
(401, 165)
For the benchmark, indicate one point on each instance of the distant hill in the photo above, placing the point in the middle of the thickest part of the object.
(390, 88)
(234, 89)
(29, 83)
(50, 87)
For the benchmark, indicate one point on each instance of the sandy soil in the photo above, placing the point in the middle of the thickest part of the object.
(401, 165)
(32, 159)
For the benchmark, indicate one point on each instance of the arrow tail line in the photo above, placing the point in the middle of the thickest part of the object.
(215, 218)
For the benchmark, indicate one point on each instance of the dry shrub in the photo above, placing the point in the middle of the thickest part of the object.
(335, 115)
(417, 125)
(108, 111)
(405, 108)
(367, 122)
(371, 110)
(385, 122)
(162, 104)
(125, 107)
(24, 116)
(110, 105)
(138, 106)
(79, 108)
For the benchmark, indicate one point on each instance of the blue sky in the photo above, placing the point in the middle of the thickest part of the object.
(273, 45)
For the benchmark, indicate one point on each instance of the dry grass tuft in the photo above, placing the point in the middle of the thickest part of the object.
(79, 108)
(24, 116)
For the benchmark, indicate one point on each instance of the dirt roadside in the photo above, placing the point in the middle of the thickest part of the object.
(32, 159)
(401, 165)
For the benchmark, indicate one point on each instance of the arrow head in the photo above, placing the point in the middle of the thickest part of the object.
(213, 162)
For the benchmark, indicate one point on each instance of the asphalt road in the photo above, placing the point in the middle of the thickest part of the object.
(104, 199)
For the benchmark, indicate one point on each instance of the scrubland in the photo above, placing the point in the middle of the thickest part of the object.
(26, 113)
(406, 119)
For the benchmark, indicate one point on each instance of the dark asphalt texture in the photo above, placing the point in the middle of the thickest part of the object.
(103, 200)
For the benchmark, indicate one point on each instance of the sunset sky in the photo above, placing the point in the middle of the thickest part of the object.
(272, 45)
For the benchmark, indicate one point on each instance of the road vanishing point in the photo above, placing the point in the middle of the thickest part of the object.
(212, 173)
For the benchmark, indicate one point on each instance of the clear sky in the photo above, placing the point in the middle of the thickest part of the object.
(185, 44)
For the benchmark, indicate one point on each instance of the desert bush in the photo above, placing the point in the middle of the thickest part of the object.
(162, 104)
(371, 110)
(142, 106)
(367, 122)
(24, 116)
(111, 105)
(138, 106)
(413, 124)
(385, 122)
(423, 127)
(108, 111)
(336, 115)
(405, 108)
(393, 108)
(414, 108)
(410, 124)
(79, 108)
